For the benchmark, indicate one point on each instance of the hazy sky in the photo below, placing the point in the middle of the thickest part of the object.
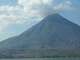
(16, 16)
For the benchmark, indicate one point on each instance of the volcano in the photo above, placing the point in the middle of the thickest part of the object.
(54, 35)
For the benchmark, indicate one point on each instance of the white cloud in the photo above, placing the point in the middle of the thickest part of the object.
(64, 6)
(29, 10)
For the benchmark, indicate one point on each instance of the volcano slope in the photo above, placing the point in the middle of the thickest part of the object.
(53, 36)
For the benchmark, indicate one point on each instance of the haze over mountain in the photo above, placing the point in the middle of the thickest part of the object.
(54, 32)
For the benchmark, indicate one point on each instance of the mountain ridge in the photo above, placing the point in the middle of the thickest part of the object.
(54, 33)
(43, 23)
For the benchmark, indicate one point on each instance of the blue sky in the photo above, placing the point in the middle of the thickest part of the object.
(16, 16)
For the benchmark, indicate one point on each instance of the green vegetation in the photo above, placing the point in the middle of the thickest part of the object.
(36, 54)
